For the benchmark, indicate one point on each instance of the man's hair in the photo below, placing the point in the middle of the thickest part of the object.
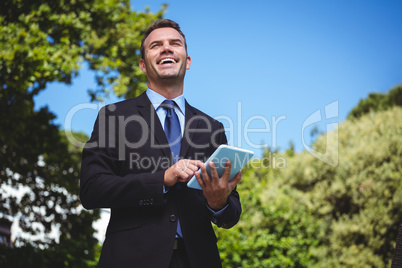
(162, 23)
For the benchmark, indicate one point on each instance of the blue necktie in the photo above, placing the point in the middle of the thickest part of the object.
(172, 129)
(173, 135)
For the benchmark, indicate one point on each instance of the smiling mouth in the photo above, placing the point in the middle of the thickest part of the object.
(167, 61)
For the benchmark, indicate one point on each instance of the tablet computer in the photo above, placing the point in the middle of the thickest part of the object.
(237, 156)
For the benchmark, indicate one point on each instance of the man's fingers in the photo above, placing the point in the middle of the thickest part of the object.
(197, 163)
(191, 163)
(226, 172)
(235, 181)
(204, 174)
(199, 179)
(183, 170)
(214, 172)
(188, 166)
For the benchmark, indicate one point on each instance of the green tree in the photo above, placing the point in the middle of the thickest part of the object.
(311, 214)
(357, 204)
(378, 102)
(43, 42)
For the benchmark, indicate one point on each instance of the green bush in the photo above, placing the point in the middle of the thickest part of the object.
(276, 228)
(311, 214)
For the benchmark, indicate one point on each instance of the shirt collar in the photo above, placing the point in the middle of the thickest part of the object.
(157, 99)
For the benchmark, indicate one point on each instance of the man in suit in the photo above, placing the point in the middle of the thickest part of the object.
(132, 165)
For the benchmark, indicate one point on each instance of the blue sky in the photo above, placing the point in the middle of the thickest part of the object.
(268, 65)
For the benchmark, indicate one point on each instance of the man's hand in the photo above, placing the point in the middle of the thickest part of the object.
(217, 190)
(181, 171)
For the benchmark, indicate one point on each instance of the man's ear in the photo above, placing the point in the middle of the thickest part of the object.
(143, 66)
(188, 63)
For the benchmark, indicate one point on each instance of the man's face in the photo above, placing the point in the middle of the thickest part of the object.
(165, 55)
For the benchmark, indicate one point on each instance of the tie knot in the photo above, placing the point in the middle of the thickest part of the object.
(168, 104)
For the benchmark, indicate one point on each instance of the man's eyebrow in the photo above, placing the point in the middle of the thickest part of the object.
(155, 42)
(170, 40)
(176, 40)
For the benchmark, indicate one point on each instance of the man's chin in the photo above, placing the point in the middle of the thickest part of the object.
(168, 76)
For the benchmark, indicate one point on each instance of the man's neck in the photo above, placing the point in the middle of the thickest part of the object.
(166, 90)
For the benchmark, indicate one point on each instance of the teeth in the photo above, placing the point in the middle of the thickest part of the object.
(167, 60)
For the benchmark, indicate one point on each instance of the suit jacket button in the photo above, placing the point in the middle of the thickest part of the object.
(141, 202)
(172, 218)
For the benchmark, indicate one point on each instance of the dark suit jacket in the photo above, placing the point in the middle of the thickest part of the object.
(123, 167)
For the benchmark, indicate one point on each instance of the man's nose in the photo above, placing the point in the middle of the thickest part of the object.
(166, 47)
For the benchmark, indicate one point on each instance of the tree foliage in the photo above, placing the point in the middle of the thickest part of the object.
(358, 204)
(378, 102)
(43, 42)
(310, 214)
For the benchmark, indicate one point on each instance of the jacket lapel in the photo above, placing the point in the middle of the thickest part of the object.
(190, 124)
(147, 111)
